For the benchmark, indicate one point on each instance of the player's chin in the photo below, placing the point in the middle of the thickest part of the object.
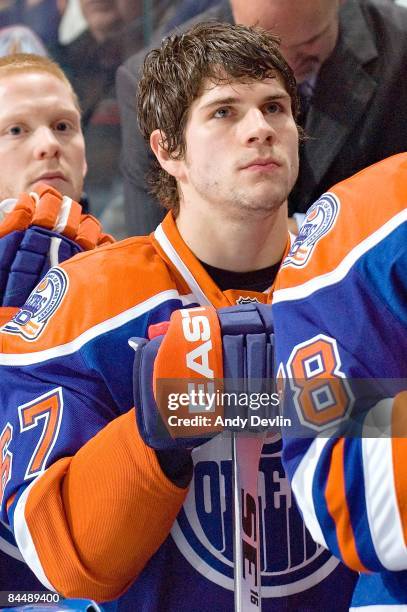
(263, 207)
(273, 191)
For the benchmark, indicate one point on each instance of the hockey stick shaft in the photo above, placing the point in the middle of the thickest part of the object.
(246, 453)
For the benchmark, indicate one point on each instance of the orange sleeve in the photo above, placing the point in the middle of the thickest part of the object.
(98, 517)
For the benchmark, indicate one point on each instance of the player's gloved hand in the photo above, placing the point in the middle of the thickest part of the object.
(200, 349)
(39, 230)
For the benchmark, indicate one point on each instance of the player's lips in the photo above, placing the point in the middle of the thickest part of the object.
(261, 163)
(50, 176)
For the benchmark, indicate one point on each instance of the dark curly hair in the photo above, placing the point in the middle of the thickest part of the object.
(172, 78)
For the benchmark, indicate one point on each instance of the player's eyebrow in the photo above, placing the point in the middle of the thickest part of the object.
(20, 115)
(220, 102)
(236, 100)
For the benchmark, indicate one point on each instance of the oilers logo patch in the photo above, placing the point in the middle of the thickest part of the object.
(41, 305)
(291, 562)
(319, 221)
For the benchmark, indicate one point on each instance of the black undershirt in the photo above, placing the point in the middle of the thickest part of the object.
(257, 280)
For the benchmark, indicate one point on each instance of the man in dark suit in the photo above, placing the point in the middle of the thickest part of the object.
(351, 56)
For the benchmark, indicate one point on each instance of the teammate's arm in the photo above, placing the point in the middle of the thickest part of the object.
(352, 490)
(341, 341)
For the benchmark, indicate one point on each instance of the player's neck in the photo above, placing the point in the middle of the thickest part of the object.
(238, 245)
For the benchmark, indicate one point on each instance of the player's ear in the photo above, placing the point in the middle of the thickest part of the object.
(157, 143)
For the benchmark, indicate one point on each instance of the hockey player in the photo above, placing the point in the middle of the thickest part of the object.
(40, 142)
(95, 512)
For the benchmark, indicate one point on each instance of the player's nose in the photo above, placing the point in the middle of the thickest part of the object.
(255, 127)
(46, 144)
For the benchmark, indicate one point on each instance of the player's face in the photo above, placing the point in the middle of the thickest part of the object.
(308, 28)
(241, 148)
(40, 135)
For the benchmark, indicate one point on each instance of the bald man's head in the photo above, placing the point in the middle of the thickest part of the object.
(308, 28)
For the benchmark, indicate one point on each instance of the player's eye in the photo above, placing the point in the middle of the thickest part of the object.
(273, 107)
(63, 126)
(221, 113)
(15, 130)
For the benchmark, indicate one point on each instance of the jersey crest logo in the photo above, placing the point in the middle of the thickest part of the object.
(319, 221)
(41, 305)
(247, 300)
(203, 532)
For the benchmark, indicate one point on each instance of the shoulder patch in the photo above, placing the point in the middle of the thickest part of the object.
(43, 302)
(319, 221)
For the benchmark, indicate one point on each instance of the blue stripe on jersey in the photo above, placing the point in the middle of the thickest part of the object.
(355, 495)
(389, 255)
